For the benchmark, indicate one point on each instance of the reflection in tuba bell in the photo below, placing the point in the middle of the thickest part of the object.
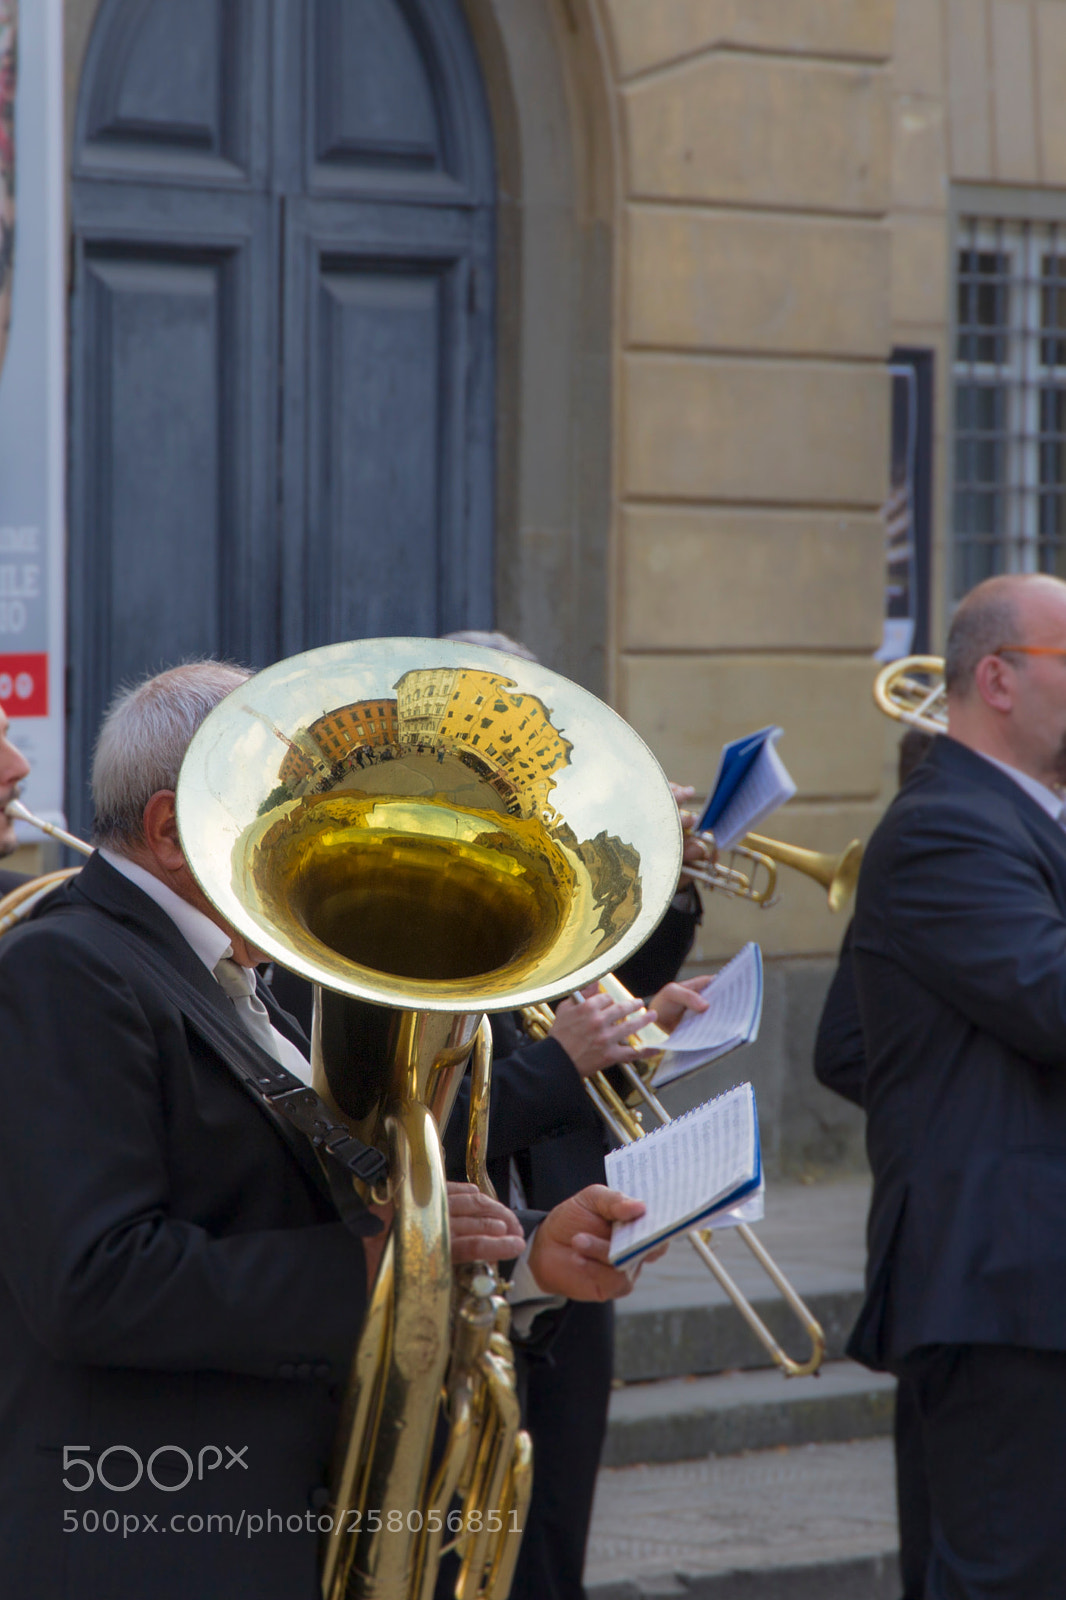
(404, 823)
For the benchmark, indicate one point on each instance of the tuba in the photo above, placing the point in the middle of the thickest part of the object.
(426, 831)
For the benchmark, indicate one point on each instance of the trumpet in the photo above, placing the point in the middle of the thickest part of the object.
(750, 871)
(912, 691)
(624, 1122)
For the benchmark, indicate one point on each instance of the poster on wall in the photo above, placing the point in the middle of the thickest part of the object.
(32, 443)
(906, 511)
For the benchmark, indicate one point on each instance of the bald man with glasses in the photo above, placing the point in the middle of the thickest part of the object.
(959, 955)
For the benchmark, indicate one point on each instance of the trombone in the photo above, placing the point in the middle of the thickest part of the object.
(912, 691)
(625, 1124)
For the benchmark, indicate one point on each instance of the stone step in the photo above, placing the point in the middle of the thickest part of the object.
(679, 1419)
(863, 1578)
(813, 1523)
(672, 1341)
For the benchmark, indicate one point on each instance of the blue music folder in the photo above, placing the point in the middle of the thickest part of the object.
(752, 781)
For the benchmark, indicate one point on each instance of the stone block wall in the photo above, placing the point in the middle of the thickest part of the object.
(752, 331)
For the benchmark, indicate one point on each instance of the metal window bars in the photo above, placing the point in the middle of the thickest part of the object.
(1010, 400)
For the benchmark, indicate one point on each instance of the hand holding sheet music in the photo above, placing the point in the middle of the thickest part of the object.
(689, 1172)
(732, 1017)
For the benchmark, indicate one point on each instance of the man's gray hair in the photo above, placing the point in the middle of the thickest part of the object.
(985, 621)
(143, 740)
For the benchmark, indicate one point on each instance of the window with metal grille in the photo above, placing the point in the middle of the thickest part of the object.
(1010, 400)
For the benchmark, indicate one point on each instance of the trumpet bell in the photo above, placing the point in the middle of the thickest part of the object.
(837, 874)
(429, 824)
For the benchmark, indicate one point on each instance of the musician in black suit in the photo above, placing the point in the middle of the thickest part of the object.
(840, 1065)
(179, 1298)
(14, 769)
(960, 963)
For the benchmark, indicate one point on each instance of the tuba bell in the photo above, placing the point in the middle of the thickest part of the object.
(426, 830)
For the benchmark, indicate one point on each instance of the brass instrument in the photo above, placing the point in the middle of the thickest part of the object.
(405, 823)
(16, 809)
(624, 1121)
(912, 691)
(837, 874)
(19, 902)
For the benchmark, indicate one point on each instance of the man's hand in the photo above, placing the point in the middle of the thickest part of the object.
(594, 1031)
(568, 1254)
(482, 1229)
(695, 852)
(671, 1003)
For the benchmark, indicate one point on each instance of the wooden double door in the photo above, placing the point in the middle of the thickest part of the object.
(281, 336)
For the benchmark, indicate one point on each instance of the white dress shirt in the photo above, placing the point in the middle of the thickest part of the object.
(206, 940)
(1045, 798)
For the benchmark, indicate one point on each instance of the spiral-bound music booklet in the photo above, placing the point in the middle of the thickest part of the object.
(687, 1172)
(752, 781)
(732, 1018)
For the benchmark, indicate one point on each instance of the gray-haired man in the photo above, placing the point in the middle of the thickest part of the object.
(178, 1296)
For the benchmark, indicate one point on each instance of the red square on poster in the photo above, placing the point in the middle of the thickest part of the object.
(24, 685)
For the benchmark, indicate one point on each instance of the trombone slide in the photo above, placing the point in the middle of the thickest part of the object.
(626, 1126)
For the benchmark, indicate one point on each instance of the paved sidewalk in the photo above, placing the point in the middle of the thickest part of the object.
(786, 1508)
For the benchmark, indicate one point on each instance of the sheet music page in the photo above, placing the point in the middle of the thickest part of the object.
(733, 764)
(682, 1170)
(767, 786)
(732, 1018)
(753, 1209)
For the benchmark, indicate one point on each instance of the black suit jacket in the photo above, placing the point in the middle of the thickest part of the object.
(839, 1048)
(9, 881)
(960, 965)
(173, 1277)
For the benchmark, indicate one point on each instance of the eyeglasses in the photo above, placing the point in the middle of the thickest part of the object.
(1030, 650)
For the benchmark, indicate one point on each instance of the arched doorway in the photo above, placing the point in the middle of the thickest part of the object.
(281, 335)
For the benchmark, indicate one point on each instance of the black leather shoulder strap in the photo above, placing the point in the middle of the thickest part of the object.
(265, 1079)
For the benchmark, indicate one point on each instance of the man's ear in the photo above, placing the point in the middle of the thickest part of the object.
(994, 680)
(160, 824)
